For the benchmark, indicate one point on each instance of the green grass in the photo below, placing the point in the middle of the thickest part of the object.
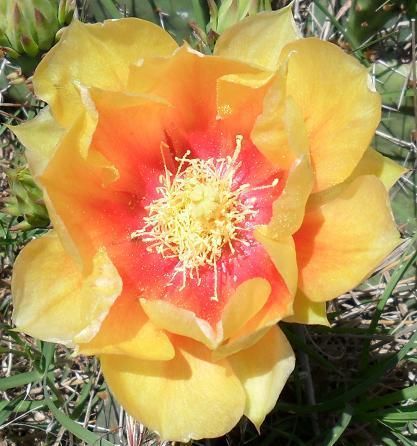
(355, 383)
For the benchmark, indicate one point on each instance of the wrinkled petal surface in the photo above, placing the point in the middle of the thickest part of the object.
(189, 397)
(308, 312)
(53, 300)
(127, 331)
(263, 370)
(344, 236)
(373, 163)
(101, 60)
(340, 111)
(259, 39)
(40, 136)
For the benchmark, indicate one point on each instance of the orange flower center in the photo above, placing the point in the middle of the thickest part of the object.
(200, 211)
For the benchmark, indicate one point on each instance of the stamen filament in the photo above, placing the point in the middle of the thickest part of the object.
(198, 213)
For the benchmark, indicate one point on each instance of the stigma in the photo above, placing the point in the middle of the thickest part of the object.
(199, 213)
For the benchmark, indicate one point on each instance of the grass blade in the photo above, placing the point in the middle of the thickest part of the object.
(73, 427)
(19, 380)
(336, 432)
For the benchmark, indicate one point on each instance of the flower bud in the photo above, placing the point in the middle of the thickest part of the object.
(28, 27)
(25, 200)
(231, 12)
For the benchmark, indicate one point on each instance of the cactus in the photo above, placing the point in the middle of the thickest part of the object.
(232, 11)
(13, 85)
(29, 27)
(25, 201)
(183, 19)
(367, 17)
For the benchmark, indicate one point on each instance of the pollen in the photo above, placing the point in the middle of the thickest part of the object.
(199, 212)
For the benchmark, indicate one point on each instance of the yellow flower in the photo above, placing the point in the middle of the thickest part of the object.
(193, 198)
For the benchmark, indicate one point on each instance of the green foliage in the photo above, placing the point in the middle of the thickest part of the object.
(366, 17)
(395, 133)
(25, 201)
(29, 27)
(13, 85)
(228, 12)
(185, 20)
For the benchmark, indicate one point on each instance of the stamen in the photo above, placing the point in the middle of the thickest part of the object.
(267, 186)
(198, 213)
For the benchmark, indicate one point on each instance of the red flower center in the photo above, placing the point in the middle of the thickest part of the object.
(199, 211)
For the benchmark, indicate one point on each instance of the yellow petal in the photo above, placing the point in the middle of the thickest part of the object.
(127, 332)
(288, 209)
(189, 397)
(279, 133)
(40, 136)
(167, 316)
(254, 329)
(248, 330)
(346, 233)
(98, 103)
(340, 111)
(308, 312)
(62, 231)
(258, 39)
(230, 83)
(59, 189)
(246, 301)
(53, 301)
(282, 253)
(373, 163)
(263, 370)
(68, 199)
(245, 338)
(241, 93)
(95, 55)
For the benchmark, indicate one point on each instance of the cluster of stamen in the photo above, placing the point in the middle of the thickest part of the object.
(200, 211)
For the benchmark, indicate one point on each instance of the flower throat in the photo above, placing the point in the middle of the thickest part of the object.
(198, 214)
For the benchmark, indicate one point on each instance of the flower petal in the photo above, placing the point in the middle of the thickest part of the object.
(189, 397)
(40, 136)
(279, 133)
(373, 163)
(278, 307)
(95, 55)
(127, 331)
(182, 78)
(259, 39)
(241, 95)
(346, 233)
(53, 300)
(340, 111)
(192, 311)
(176, 320)
(263, 370)
(283, 255)
(249, 297)
(103, 206)
(308, 312)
